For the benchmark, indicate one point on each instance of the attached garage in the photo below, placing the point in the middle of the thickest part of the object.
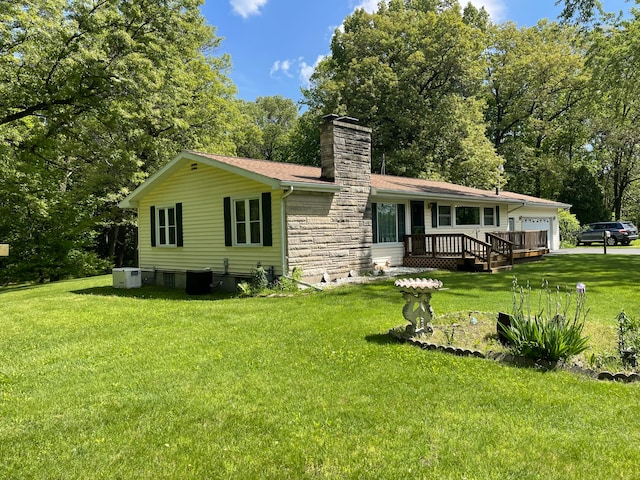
(539, 223)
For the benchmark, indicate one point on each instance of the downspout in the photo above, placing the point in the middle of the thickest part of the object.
(517, 208)
(283, 232)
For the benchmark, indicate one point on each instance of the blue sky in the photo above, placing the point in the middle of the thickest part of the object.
(274, 44)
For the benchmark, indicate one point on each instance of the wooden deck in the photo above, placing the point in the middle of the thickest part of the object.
(459, 251)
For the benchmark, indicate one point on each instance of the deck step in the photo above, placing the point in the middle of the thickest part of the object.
(498, 263)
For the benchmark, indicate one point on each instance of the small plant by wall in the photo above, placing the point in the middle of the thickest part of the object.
(261, 285)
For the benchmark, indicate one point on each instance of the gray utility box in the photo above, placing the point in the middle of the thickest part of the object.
(127, 277)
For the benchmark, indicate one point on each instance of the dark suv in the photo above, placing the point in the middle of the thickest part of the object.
(621, 232)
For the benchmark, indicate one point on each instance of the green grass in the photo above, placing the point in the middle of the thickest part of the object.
(105, 384)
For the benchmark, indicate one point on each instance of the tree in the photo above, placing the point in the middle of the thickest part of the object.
(536, 84)
(583, 11)
(616, 117)
(304, 139)
(411, 71)
(268, 123)
(582, 191)
(95, 96)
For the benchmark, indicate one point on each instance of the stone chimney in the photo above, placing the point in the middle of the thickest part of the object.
(345, 151)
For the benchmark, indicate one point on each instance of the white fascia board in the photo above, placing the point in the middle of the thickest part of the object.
(453, 197)
(440, 196)
(554, 205)
(273, 183)
(132, 200)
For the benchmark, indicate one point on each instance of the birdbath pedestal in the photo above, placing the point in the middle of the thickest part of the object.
(417, 310)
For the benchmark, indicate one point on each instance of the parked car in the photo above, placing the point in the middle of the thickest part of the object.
(621, 232)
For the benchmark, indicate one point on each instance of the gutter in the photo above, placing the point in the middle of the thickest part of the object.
(313, 187)
(443, 196)
(283, 233)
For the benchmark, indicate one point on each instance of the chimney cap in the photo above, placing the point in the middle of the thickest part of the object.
(345, 119)
(332, 116)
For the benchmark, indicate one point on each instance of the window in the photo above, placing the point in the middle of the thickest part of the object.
(467, 215)
(169, 279)
(389, 221)
(167, 227)
(444, 215)
(247, 221)
(488, 216)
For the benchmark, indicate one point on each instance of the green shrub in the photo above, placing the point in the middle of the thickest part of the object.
(628, 339)
(546, 336)
(260, 284)
(260, 279)
(569, 228)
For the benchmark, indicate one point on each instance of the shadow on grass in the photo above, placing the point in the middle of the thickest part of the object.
(18, 288)
(152, 293)
(561, 270)
(381, 339)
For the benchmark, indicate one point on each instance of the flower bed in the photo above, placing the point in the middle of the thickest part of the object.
(474, 334)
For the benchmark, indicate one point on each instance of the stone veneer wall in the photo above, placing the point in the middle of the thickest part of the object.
(331, 233)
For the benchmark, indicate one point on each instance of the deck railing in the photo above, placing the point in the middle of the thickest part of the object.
(525, 240)
(500, 245)
(458, 245)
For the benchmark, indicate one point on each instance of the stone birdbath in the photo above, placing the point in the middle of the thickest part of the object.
(417, 310)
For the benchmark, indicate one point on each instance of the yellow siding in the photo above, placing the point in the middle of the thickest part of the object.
(201, 192)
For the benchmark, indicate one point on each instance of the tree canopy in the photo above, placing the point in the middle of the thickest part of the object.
(94, 96)
(411, 71)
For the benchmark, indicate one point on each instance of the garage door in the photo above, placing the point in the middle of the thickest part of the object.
(538, 223)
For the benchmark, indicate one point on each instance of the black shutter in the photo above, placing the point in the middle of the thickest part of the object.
(228, 237)
(434, 215)
(374, 221)
(401, 222)
(152, 217)
(179, 238)
(267, 239)
(497, 215)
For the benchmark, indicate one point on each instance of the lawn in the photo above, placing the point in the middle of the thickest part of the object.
(108, 384)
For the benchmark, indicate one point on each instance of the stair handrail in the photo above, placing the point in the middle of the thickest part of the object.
(482, 250)
(500, 245)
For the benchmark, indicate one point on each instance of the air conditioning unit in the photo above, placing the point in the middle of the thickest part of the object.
(127, 277)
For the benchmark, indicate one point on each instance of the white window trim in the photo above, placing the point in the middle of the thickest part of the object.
(493, 209)
(466, 225)
(165, 209)
(451, 215)
(395, 206)
(234, 223)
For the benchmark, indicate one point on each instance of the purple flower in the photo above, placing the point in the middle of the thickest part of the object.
(581, 288)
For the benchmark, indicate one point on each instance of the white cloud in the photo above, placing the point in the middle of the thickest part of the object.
(307, 70)
(246, 8)
(296, 67)
(368, 5)
(495, 8)
(281, 66)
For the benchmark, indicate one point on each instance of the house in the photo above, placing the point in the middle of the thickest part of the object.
(205, 215)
